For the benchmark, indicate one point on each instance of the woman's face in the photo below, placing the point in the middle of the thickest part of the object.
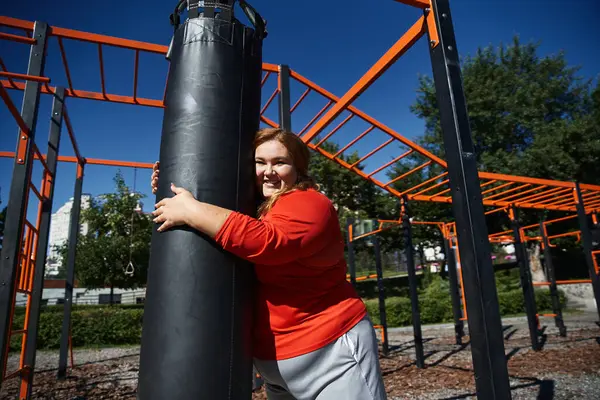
(274, 168)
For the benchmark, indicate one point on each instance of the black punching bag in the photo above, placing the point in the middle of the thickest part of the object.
(197, 329)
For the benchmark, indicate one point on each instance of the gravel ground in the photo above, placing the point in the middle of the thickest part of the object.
(567, 368)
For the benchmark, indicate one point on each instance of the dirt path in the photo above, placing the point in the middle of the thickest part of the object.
(566, 368)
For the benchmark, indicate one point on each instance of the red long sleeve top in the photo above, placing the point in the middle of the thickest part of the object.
(303, 301)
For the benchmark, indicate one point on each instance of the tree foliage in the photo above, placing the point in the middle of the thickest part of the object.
(115, 230)
(530, 116)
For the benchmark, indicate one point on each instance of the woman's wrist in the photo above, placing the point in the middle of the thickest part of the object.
(207, 218)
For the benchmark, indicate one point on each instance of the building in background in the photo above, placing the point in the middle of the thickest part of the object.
(59, 233)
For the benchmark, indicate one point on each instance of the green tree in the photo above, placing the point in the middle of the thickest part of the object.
(355, 197)
(529, 115)
(349, 192)
(117, 234)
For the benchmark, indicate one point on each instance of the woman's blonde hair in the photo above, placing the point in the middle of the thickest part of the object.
(300, 155)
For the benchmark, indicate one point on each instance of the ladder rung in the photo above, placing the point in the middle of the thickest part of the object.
(24, 291)
(18, 331)
(13, 374)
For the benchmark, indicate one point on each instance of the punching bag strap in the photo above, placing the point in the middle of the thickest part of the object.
(260, 25)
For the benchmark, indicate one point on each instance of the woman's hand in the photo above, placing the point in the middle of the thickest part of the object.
(154, 178)
(175, 211)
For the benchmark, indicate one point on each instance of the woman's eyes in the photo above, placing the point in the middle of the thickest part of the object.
(275, 163)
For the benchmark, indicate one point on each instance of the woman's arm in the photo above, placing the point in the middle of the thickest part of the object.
(184, 209)
(299, 226)
(207, 218)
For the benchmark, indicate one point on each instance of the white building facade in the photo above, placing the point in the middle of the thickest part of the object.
(59, 232)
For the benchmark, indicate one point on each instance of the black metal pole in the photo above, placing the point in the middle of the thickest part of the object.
(412, 284)
(526, 284)
(586, 239)
(381, 294)
(285, 116)
(556, 307)
(350, 247)
(454, 294)
(19, 188)
(70, 273)
(485, 324)
(43, 236)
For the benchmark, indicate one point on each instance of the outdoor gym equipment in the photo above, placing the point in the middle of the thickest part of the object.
(199, 298)
(458, 183)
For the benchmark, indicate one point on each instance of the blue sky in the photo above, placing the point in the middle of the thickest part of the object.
(332, 46)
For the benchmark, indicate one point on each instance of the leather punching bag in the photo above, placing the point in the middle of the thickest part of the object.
(196, 337)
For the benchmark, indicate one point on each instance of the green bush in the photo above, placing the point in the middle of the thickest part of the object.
(94, 325)
(435, 304)
(90, 326)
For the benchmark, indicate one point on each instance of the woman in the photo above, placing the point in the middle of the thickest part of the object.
(312, 338)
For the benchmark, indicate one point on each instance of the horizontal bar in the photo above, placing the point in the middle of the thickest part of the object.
(25, 77)
(523, 179)
(507, 191)
(270, 67)
(356, 139)
(428, 188)
(495, 211)
(315, 117)
(369, 119)
(41, 158)
(542, 195)
(306, 92)
(264, 79)
(512, 196)
(407, 40)
(384, 166)
(92, 161)
(36, 191)
(424, 183)
(552, 221)
(269, 101)
(496, 188)
(334, 130)
(13, 109)
(574, 233)
(28, 224)
(108, 40)
(82, 94)
(416, 3)
(13, 374)
(412, 171)
(381, 146)
(587, 186)
(269, 121)
(16, 23)
(353, 169)
(567, 282)
(17, 38)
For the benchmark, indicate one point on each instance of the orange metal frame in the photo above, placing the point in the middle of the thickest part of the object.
(448, 232)
(499, 190)
(30, 240)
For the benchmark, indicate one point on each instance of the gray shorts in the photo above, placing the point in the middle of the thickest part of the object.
(345, 369)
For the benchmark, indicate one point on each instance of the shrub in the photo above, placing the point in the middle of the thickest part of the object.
(90, 326)
(435, 305)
